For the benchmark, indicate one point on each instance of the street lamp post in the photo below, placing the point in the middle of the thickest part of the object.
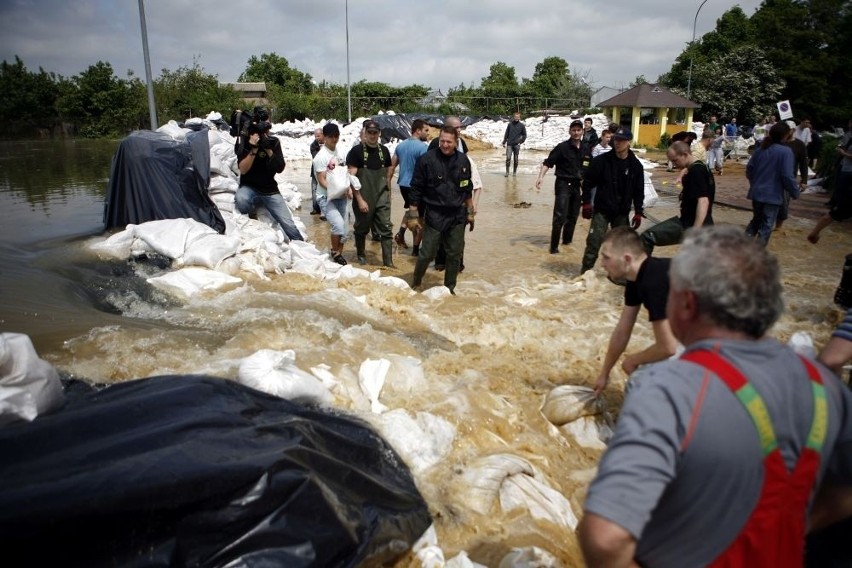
(694, 23)
(348, 83)
(152, 105)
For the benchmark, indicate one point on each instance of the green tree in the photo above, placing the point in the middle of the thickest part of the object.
(27, 99)
(550, 79)
(501, 89)
(100, 103)
(639, 80)
(741, 84)
(274, 69)
(190, 91)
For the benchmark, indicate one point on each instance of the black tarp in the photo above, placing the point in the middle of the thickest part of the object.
(198, 471)
(154, 176)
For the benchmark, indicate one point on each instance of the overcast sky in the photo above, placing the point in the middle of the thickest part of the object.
(435, 43)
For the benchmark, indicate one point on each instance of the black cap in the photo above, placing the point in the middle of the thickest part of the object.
(370, 124)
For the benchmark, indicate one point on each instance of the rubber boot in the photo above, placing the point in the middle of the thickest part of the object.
(554, 240)
(387, 253)
(360, 246)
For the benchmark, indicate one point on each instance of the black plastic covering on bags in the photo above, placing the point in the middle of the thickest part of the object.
(199, 471)
(154, 176)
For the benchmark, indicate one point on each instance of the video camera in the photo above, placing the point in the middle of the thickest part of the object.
(244, 124)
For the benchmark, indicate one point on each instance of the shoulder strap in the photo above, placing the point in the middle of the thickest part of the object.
(754, 404)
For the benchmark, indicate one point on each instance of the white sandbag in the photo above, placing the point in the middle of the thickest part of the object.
(189, 281)
(567, 403)
(516, 484)
(118, 245)
(276, 373)
(437, 292)
(337, 182)
(223, 184)
(394, 282)
(211, 249)
(29, 385)
(427, 551)
(371, 378)
(651, 196)
(802, 344)
(170, 237)
(592, 432)
(172, 129)
(529, 557)
(303, 249)
(462, 560)
(422, 442)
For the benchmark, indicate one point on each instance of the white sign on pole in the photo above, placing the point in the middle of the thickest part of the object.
(785, 111)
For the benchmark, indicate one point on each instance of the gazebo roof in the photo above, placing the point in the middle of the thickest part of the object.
(648, 95)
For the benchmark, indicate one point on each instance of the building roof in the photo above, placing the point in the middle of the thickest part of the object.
(247, 86)
(648, 95)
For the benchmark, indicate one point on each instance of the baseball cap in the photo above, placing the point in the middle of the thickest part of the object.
(623, 134)
(371, 125)
(576, 123)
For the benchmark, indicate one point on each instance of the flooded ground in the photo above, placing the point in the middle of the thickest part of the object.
(523, 322)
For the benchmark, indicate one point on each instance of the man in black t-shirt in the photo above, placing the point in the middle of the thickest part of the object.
(624, 258)
(696, 200)
(369, 161)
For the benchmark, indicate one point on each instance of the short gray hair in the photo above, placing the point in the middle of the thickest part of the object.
(736, 281)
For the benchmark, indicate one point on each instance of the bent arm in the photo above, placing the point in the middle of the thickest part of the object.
(664, 346)
(604, 543)
(701, 211)
(836, 353)
(617, 344)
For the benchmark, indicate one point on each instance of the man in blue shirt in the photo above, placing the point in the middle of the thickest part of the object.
(405, 156)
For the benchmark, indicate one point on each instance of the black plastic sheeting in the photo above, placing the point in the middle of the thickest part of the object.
(198, 471)
(399, 125)
(154, 176)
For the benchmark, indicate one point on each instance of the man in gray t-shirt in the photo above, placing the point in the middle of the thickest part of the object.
(684, 472)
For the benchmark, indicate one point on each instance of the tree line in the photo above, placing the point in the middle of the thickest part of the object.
(796, 50)
(800, 50)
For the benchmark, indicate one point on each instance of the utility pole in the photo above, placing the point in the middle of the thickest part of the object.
(152, 105)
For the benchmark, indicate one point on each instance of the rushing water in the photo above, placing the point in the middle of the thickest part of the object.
(523, 322)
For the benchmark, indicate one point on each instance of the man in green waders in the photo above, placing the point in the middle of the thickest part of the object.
(369, 161)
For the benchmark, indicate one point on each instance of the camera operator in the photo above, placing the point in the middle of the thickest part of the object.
(259, 157)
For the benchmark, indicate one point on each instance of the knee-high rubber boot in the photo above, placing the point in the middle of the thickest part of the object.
(843, 294)
(360, 246)
(554, 239)
(387, 253)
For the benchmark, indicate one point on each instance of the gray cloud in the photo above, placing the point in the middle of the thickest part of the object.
(438, 43)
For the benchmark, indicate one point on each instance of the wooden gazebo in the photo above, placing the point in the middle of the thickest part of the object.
(648, 96)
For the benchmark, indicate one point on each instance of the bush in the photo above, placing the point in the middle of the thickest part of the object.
(665, 141)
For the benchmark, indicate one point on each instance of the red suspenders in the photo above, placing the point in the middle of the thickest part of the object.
(774, 534)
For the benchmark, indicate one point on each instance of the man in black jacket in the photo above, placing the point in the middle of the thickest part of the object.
(516, 134)
(620, 182)
(571, 158)
(441, 182)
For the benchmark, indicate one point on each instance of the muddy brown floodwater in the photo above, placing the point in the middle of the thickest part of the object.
(523, 322)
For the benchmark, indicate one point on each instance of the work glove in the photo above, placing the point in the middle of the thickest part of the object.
(588, 209)
(412, 221)
(637, 220)
(471, 218)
